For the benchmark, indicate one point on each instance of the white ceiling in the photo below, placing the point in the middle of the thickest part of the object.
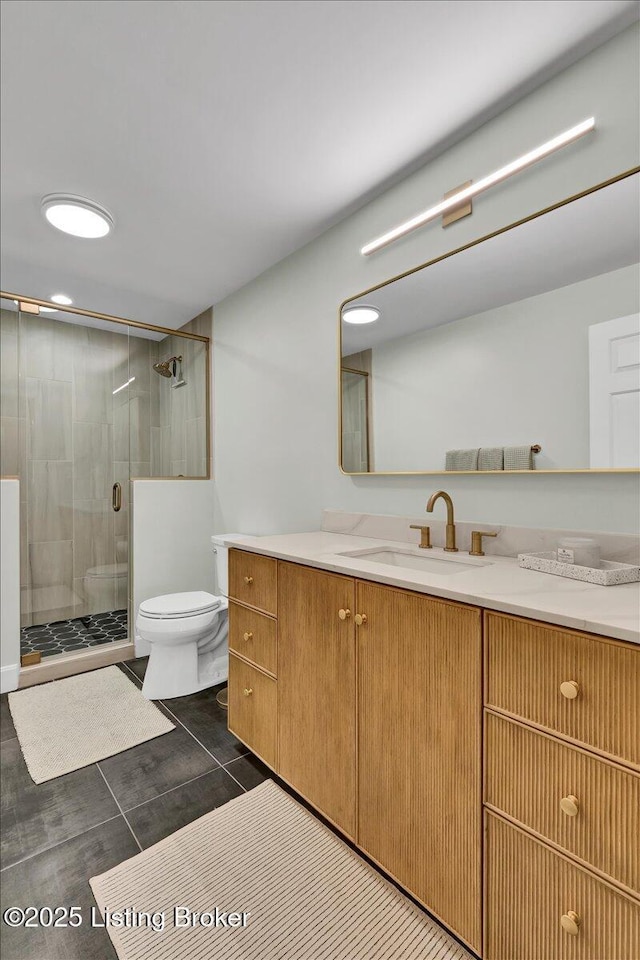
(225, 135)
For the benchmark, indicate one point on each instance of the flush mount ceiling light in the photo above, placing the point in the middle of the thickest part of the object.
(479, 186)
(362, 314)
(76, 215)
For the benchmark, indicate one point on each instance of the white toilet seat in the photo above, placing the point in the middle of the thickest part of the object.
(173, 606)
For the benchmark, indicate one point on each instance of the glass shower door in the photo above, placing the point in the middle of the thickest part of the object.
(74, 396)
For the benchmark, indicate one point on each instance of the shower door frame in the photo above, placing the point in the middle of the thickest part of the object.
(67, 664)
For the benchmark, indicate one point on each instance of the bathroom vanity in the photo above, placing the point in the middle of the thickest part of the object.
(475, 733)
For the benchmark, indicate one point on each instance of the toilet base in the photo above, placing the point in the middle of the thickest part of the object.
(177, 672)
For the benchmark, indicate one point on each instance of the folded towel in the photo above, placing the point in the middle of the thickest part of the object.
(491, 458)
(461, 460)
(519, 458)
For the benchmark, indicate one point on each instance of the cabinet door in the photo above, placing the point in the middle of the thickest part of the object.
(316, 689)
(419, 729)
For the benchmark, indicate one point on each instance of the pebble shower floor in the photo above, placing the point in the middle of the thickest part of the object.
(63, 636)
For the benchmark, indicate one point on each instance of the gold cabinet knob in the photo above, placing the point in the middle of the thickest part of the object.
(569, 805)
(360, 618)
(247, 691)
(247, 636)
(248, 579)
(570, 923)
(344, 614)
(569, 689)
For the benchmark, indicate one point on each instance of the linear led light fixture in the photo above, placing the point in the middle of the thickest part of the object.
(480, 185)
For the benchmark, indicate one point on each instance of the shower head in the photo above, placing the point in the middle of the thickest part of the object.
(168, 367)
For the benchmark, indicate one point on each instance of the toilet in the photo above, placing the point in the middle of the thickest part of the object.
(106, 587)
(188, 636)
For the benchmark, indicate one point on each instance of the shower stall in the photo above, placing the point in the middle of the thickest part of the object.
(89, 403)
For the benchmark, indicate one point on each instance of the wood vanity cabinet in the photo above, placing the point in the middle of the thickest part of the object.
(253, 656)
(317, 685)
(419, 730)
(380, 706)
(562, 793)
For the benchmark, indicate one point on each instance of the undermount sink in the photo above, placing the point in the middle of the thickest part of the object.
(444, 566)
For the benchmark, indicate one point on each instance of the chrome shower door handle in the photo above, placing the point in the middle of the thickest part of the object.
(116, 497)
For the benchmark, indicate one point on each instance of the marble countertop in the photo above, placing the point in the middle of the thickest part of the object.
(493, 582)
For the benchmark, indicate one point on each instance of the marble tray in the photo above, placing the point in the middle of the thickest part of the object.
(608, 574)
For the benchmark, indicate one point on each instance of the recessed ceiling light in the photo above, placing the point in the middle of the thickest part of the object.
(361, 314)
(76, 215)
(47, 310)
(62, 299)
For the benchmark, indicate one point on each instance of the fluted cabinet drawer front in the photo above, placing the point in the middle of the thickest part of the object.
(532, 892)
(253, 636)
(253, 580)
(587, 806)
(252, 708)
(574, 684)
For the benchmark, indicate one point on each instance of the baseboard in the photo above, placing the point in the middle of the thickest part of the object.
(9, 677)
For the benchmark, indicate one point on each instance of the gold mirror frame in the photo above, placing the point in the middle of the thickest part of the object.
(467, 246)
(19, 298)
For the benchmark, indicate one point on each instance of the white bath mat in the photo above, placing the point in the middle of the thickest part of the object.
(68, 724)
(283, 885)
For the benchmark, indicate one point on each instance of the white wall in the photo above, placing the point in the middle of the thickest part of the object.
(275, 340)
(9, 584)
(171, 531)
(509, 376)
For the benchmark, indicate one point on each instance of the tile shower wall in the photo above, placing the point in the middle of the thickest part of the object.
(178, 429)
(63, 454)
(59, 433)
(68, 437)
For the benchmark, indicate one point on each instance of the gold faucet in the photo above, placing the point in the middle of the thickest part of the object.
(451, 527)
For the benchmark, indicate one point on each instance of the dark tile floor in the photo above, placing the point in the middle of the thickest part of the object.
(63, 636)
(57, 835)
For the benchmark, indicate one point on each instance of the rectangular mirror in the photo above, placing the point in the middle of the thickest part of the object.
(520, 351)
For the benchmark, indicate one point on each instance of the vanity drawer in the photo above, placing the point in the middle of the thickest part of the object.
(253, 636)
(580, 686)
(533, 894)
(252, 708)
(253, 580)
(528, 774)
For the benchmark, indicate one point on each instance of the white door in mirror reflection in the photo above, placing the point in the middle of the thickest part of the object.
(614, 389)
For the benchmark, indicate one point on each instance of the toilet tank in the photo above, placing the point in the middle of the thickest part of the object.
(221, 553)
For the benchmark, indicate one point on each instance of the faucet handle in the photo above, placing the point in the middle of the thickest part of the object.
(425, 535)
(476, 541)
